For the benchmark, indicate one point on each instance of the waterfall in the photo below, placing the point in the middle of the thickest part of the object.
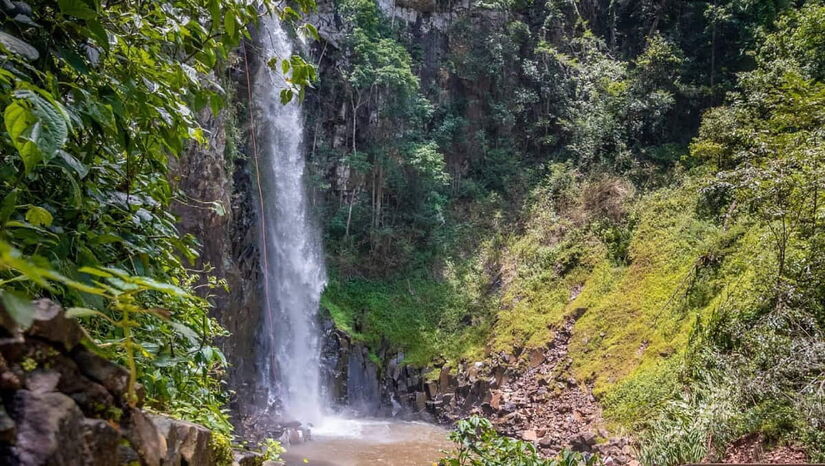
(293, 257)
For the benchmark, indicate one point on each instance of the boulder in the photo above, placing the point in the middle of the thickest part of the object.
(420, 401)
(186, 443)
(246, 458)
(583, 442)
(145, 438)
(495, 399)
(112, 376)
(446, 380)
(101, 441)
(51, 324)
(47, 427)
(42, 381)
(8, 430)
(530, 435)
(547, 441)
(536, 358)
(432, 389)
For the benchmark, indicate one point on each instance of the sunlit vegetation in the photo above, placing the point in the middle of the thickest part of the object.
(664, 185)
(96, 98)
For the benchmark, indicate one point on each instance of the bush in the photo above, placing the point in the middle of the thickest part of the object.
(478, 444)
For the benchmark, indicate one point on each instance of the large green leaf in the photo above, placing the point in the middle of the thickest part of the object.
(38, 128)
(19, 307)
(19, 119)
(18, 46)
(39, 216)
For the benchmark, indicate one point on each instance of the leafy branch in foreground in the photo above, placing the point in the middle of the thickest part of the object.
(96, 96)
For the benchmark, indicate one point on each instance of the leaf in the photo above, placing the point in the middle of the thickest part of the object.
(39, 216)
(229, 23)
(311, 31)
(18, 46)
(286, 96)
(8, 206)
(95, 271)
(19, 308)
(155, 285)
(19, 118)
(76, 8)
(76, 165)
(38, 127)
(80, 312)
(187, 332)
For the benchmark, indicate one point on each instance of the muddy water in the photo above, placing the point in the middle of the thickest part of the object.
(370, 442)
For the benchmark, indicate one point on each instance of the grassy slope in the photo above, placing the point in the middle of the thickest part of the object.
(640, 312)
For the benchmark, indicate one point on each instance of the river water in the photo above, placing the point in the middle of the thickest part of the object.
(344, 442)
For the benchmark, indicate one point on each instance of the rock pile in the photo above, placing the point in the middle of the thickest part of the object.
(533, 397)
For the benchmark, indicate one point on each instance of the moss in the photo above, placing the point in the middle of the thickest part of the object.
(632, 317)
(424, 317)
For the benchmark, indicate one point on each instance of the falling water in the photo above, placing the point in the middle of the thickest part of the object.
(293, 261)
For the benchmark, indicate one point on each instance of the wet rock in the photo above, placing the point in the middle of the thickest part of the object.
(431, 389)
(42, 381)
(446, 380)
(420, 401)
(127, 455)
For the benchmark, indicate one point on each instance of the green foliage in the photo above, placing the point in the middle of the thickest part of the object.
(271, 450)
(96, 98)
(423, 317)
(478, 444)
(221, 446)
(389, 162)
(583, 176)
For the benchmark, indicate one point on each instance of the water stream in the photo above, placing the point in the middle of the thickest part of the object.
(293, 259)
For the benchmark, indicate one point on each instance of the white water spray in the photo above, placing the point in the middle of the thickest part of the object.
(293, 262)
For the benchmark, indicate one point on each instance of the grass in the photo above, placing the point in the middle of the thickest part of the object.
(511, 290)
(424, 317)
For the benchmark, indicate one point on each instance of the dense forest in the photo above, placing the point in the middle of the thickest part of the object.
(637, 179)
(657, 164)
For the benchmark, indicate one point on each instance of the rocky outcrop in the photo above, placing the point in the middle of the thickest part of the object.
(218, 207)
(531, 396)
(64, 405)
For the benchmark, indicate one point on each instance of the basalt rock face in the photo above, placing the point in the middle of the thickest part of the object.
(218, 208)
(64, 405)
